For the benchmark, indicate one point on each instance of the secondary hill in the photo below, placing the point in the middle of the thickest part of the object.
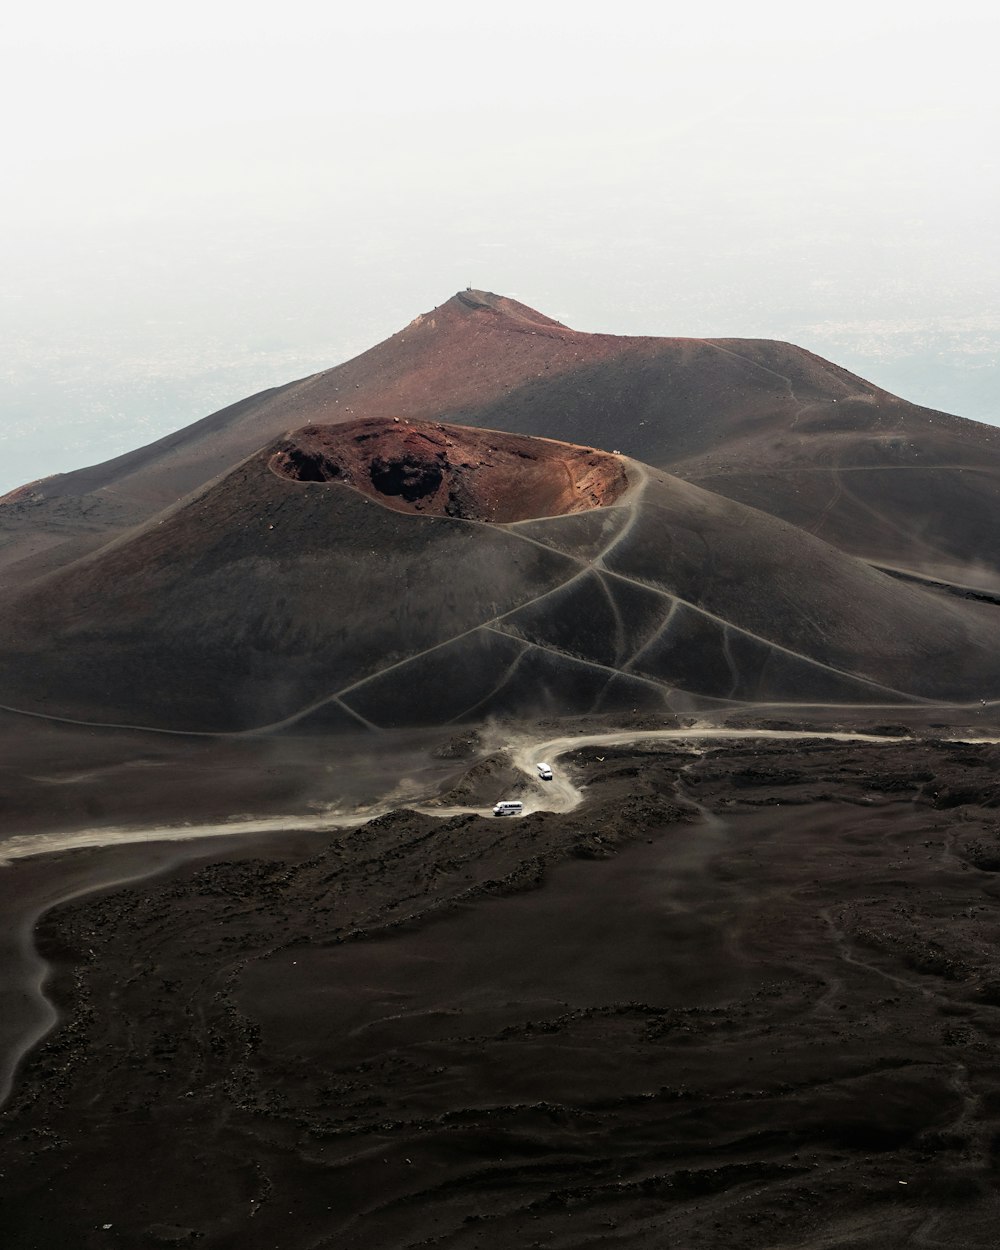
(289, 594)
(767, 424)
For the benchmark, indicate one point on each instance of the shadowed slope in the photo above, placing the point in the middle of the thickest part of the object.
(270, 602)
(775, 427)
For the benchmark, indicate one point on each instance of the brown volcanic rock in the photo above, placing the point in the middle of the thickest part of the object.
(449, 471)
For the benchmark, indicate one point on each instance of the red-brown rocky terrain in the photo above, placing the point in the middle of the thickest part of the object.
(768, 424)
(440, 470)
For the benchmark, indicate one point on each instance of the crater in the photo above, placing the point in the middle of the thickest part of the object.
(409, 477)
(452, 470)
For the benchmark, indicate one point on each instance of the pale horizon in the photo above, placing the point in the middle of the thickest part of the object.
(225, 199)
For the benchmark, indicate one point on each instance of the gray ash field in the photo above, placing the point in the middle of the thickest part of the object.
(746, 995)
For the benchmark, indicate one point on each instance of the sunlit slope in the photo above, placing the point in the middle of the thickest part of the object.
(269, 601)
(766, 423)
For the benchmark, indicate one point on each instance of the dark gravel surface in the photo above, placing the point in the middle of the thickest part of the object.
(748, 997)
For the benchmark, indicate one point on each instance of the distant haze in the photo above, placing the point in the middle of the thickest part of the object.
(215, 200)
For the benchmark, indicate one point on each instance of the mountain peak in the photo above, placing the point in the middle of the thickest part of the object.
(472, 301)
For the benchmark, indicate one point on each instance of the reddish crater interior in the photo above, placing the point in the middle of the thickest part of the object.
(451, 470)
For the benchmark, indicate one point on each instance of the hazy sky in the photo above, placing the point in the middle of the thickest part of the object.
(209, 198)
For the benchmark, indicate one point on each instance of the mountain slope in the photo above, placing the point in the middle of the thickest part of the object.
(768, 424)
(271, 601)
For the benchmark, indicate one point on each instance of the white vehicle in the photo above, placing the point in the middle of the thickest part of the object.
(508, 807)
(544, 771)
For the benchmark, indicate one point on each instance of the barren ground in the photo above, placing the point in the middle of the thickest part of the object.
(745, 996)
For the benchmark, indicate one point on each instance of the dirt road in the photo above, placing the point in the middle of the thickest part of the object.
(558, 795)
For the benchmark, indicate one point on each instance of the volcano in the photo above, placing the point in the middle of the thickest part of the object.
(764, 423)
(491, 512)
(739, 990)
(387, 572)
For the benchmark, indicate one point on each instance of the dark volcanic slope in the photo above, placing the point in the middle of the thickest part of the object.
(780, 429)
(765, 423)
(271, 600)
(627, 1028)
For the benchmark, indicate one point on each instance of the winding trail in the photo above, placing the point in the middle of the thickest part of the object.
(623, 515)
(30, 1015)
(558, 795)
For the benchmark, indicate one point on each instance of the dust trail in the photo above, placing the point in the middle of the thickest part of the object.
(27, 845)
(558, 795)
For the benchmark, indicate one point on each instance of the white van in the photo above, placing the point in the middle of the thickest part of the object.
(544, 771)
(508, 807)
